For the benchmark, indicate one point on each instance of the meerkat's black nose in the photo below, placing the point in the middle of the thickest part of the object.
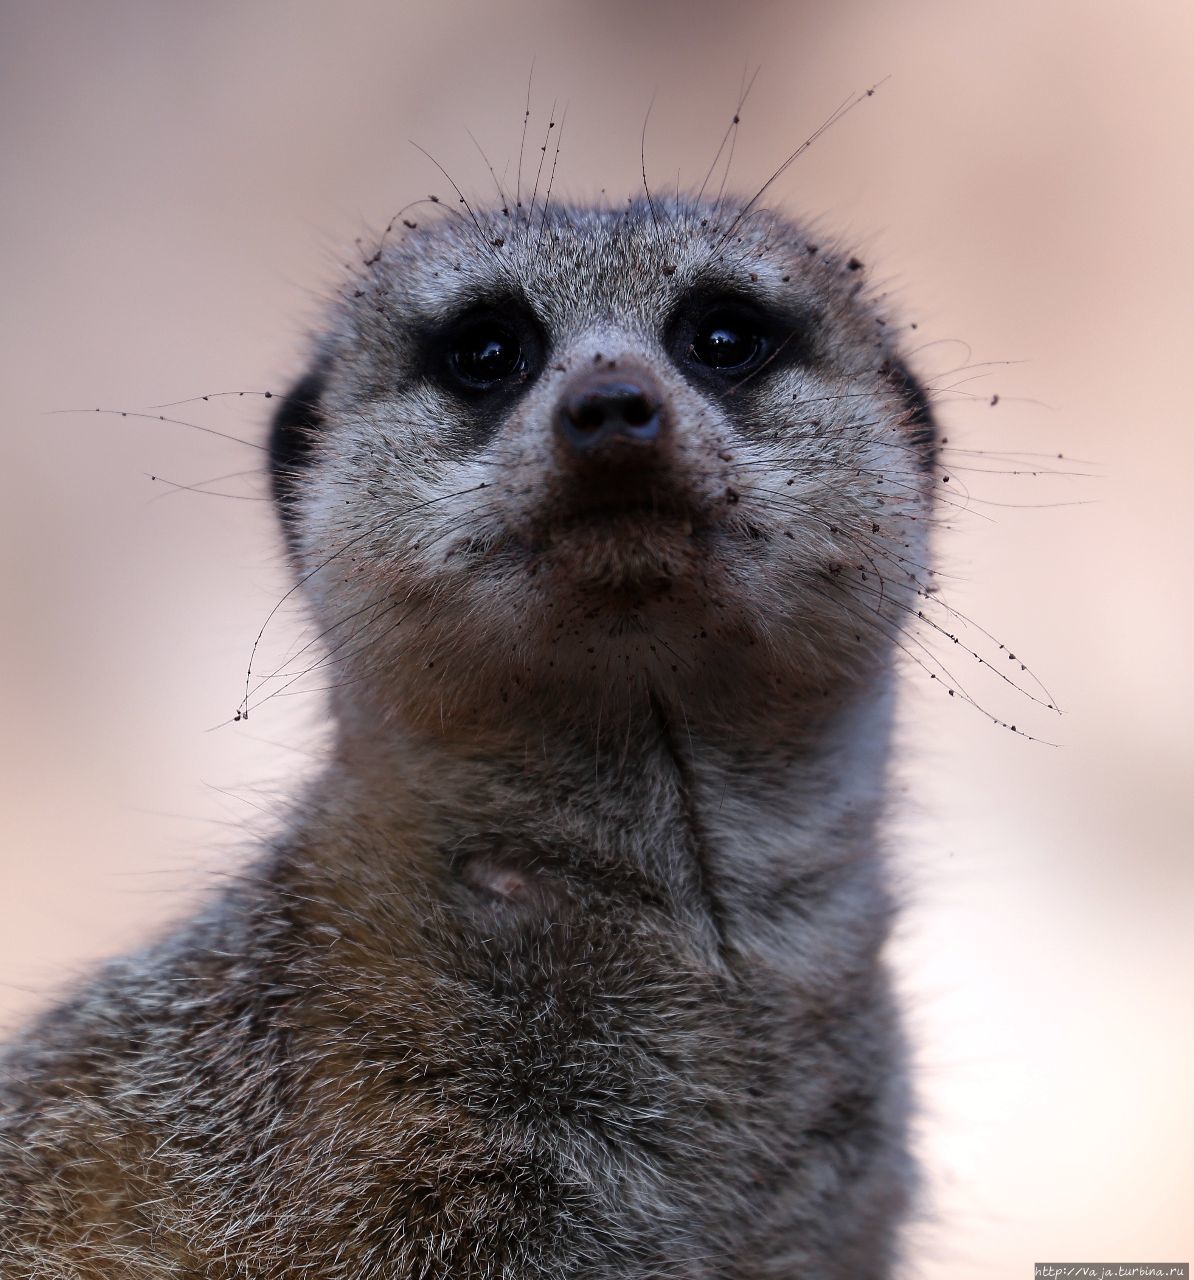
(604, 415)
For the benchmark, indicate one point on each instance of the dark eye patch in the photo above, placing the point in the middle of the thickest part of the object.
(296, 426)
(728, 343)
(488, 354)
(919, 421)
(719, 339)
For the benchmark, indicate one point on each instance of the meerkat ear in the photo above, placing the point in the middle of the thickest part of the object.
(295, 428)
(919, 422)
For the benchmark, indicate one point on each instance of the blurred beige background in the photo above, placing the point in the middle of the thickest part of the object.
(180, 182)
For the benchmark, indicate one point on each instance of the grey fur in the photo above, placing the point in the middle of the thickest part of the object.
(571, 962)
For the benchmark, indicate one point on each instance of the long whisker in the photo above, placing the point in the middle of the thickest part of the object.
(243, 711)
(176, 422)
(839, 113)
(730, 136)
(526, 118)
(872, 552)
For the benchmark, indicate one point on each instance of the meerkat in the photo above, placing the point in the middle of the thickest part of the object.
(571, 962)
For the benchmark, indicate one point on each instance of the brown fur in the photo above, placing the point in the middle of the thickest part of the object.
(571, 963)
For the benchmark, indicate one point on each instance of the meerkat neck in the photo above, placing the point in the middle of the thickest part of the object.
(717, 820)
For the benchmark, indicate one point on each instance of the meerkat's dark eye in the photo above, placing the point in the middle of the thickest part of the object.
(485, 354)
(728, 342)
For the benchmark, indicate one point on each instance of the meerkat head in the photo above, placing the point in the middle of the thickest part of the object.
(548, 458)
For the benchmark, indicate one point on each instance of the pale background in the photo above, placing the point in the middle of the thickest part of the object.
(179, 183)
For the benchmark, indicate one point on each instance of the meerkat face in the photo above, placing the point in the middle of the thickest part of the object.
(581, 449)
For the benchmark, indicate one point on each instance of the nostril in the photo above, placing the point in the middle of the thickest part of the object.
(637, 411)
(591, 412)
